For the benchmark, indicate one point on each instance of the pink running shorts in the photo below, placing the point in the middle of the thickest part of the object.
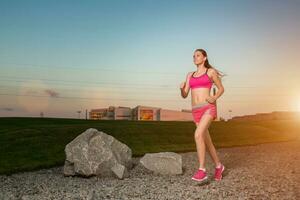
(199, 110)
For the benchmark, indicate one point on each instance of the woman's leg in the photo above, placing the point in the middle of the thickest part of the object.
(211, 148)
(200, 132)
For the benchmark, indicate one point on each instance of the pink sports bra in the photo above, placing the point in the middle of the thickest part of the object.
(202, 81)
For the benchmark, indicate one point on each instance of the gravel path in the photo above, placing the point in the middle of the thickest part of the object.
(265, 171)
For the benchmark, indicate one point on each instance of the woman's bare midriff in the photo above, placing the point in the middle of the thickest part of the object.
(199, 95)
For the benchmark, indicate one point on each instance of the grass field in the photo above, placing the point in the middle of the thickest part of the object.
(34, 143)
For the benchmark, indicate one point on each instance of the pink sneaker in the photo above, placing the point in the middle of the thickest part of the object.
(218, 172)
(200, 175)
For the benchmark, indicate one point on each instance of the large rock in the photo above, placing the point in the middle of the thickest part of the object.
(96, 153)
(163, 162)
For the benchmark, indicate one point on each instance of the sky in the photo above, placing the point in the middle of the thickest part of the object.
(59, 57)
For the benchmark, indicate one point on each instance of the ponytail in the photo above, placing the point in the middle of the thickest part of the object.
(207, 65)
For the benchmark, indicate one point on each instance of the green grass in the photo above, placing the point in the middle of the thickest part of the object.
(33, 143)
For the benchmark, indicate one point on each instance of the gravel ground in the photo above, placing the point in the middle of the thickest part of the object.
(265, 171)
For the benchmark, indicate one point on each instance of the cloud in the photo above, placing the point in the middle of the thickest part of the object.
(7, 109)
(51, 93)
(31, 92)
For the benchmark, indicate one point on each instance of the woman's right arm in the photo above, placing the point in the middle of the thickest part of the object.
(185, 86)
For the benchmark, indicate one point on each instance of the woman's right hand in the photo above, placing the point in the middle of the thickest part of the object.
(182, 85)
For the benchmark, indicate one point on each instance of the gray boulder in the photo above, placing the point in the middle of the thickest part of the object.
(163, 162)
(96, 153)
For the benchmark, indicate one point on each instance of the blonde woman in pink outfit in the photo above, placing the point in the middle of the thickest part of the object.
(204, 110)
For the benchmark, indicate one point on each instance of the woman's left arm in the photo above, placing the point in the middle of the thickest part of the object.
(218, 83)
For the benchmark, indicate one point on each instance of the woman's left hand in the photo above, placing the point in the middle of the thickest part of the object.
(211, 99)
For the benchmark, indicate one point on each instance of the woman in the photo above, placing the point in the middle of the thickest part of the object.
(204, 110)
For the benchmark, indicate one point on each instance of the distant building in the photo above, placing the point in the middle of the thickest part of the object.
(122, 113)
(140, 113)
(146, 113)
(269, 116)
(98, 113)
(111, 113)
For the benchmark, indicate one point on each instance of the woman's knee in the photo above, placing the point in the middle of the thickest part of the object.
(199, 134)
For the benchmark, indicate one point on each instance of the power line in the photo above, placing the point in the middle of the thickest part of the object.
(84, 98)
(6, 78)
(26, 79)
(95, 90)
(93, 69)
(89, 98)
(148, 91)
(166, 93)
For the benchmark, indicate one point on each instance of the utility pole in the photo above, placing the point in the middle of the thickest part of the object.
(86, 116)
(230, 113)
(79, 111)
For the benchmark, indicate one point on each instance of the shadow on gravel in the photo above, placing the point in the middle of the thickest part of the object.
(202, 183)
(234, 163)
